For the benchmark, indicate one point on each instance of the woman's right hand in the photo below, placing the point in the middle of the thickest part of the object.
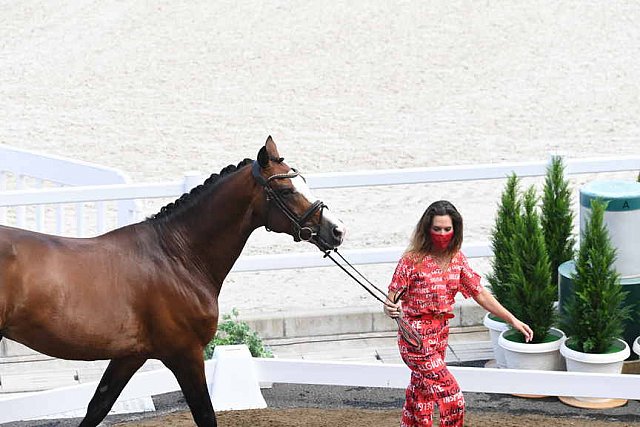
(392, 310)
(524, 329)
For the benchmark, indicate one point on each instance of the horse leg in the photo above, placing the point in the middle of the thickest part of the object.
(114, 379)
(188, 369)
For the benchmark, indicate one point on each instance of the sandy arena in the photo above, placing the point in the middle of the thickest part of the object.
(160, 88)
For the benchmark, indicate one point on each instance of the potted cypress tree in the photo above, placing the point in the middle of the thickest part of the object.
(557, 217)
(501, 244)
(594, 314)
(532, 296)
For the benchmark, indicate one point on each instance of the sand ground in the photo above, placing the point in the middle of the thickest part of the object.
(157, 89)
(354, 417)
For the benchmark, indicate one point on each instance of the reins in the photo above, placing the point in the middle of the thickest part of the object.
(408, 332)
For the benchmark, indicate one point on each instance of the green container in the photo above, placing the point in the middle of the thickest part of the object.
(566, 271)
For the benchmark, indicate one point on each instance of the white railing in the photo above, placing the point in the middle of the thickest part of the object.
(120, 192)
(25, 171)
(240, 376)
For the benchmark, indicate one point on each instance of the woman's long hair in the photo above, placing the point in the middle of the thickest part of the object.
(421, 245)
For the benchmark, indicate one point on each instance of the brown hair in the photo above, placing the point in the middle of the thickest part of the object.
(421, 244)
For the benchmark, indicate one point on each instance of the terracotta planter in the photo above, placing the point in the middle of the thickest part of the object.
(495, 329)
(608, 363)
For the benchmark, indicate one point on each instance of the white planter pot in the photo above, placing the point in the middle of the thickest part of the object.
(609, 363)
(636, 346)
(540, 356)
(495, 329)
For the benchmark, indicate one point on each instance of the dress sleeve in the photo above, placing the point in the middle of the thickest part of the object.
(400, 279)
(470, 285)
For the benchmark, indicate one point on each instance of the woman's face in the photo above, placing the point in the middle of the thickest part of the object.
(442, 224)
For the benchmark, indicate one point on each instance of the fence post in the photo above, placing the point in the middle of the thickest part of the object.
(235, 385)
(190, 180)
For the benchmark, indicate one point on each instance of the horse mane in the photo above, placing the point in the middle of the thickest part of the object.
(190, 198)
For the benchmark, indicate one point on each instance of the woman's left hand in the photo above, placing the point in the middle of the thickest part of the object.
(524, 329)
(392, 309)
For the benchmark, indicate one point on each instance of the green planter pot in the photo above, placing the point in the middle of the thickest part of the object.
(566, 272)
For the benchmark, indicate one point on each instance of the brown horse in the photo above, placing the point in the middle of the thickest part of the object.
(149, 290)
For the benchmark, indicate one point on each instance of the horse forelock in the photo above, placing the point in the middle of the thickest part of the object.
(189, 199)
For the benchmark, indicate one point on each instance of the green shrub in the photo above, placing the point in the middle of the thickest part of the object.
(531, 293)
(231, 331)
(502, 242)
(594, 315)
(557, 217)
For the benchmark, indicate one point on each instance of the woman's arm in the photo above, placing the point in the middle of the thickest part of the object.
(489, 303)
(390, 309)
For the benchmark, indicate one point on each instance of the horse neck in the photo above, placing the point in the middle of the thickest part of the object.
(210, 235)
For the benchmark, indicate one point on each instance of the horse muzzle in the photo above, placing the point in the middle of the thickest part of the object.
(330, 234)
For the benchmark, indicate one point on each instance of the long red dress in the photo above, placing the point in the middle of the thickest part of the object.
(427, 305)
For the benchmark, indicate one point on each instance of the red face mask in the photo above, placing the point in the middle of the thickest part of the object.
(441, 241)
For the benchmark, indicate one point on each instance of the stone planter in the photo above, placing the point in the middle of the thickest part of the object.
(541, 356)
(495, 329)
(607, 363)
(636, 346)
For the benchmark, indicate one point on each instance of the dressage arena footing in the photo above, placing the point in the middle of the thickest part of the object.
(285, 396)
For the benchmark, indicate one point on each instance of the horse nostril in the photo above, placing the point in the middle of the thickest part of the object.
(338, 232)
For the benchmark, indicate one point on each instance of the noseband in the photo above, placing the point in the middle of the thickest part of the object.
(302, 232)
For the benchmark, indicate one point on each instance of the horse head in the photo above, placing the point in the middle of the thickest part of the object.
(289, 206)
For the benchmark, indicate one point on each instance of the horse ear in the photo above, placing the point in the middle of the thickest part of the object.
(272, 150)
(263, 157)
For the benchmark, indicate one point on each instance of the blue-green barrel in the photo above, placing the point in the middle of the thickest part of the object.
(622, 218)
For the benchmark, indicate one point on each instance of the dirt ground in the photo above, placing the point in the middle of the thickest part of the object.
(314, 417)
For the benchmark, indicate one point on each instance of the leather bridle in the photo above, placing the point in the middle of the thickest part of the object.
(302, 232)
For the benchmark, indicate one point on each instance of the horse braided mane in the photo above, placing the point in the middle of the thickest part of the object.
(188, 199)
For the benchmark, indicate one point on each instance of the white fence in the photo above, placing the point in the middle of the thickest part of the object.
(129, 192)
(240, 377)
(22, 171)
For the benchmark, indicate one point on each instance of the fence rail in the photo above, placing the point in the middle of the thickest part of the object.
(120, 192)
(93, 193)
(23, 171)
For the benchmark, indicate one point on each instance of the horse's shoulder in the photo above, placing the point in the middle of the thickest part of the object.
(8, 251)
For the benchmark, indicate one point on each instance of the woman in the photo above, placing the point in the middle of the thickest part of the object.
(428, 276)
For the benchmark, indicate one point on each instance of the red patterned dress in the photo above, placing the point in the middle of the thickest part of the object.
(427, 305)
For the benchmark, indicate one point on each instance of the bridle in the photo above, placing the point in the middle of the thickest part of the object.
(302, 232)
